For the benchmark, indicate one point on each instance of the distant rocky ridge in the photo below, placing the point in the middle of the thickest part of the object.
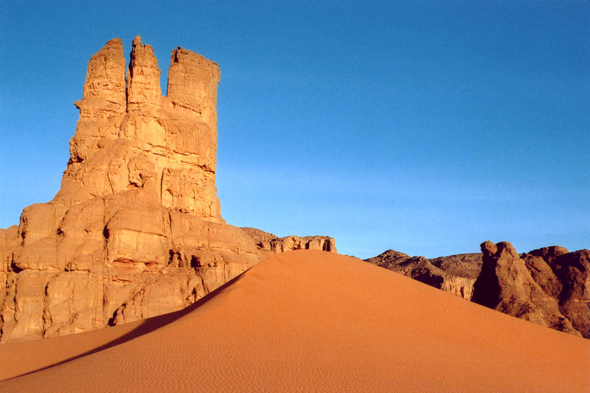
(269, 242)
(136, 229)
(549, 286)
(455, 274)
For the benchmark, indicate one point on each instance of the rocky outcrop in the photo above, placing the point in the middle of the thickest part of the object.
(573, 271)
(455, 274)
(548, 286)
(136, 229)
(505, 284)
(137, 139)
(8, 241)
(272, 244)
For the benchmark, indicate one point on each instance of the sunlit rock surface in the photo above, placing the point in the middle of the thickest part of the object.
(136, 229)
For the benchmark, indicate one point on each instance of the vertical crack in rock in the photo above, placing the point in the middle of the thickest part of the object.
(143, 78)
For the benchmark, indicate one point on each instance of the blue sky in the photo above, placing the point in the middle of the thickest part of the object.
(423, 126)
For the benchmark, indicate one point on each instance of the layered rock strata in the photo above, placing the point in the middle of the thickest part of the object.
(136, 229)
(455, 274)
(549, 286)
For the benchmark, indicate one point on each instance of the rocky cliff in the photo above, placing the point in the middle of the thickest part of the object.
(269, 243)
(549, 286)
(136, 229)
(455, 274)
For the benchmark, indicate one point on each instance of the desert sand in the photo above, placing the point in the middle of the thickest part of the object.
(310, 321)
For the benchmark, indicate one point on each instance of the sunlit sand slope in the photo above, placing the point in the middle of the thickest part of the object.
(316, 321)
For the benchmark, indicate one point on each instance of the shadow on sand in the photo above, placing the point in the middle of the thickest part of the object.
(148, 325)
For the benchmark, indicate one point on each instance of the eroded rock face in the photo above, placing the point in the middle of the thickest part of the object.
(455, 274)
(136, 229)
(137, 139)
(548, 286)
(270, 244)
(573, 271)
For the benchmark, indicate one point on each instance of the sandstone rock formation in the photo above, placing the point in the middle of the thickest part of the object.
(136, 229)
(549, 286)
(573, 271)
(455, 274)
(9, 239)
(267, 242)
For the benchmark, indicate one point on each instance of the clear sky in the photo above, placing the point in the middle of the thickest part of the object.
(423, 126)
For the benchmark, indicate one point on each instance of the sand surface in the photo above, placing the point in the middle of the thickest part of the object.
(310, 321)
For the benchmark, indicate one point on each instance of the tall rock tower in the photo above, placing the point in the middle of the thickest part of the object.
(135, 230)
(131, 138)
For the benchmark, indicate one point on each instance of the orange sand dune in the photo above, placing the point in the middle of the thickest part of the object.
(314, 321)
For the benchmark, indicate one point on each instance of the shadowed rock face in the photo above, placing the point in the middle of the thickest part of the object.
(573, 271)
(136, 229)
(455, 274)
(548, 286)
